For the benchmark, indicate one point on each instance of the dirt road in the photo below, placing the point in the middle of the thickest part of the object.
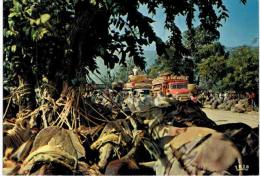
(222, 117)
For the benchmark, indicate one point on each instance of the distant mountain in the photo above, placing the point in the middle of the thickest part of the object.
(228, 48)
(149, 55)
(152, 55)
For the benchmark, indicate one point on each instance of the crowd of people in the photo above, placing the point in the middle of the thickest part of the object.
(230, 100)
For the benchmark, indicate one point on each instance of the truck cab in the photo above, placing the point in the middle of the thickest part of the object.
(179, 89)
(138, 83)
(171, 85)
(141, 92)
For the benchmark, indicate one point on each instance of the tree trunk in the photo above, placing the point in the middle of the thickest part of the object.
(26, 95)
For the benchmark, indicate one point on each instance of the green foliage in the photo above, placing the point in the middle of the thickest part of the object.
(212, 70)
(62, 39)
(237, 72)
(243, 70)
(184, 59)
(160, 66)
(207, 50)
(108, 78)
(198, 36)
(201, 44)
(124, 71)
(35, 39)
(173, 62)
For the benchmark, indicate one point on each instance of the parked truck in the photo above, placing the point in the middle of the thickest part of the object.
(139, 83)
(169, 84)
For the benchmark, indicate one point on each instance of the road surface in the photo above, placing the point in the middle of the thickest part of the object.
(222, 117)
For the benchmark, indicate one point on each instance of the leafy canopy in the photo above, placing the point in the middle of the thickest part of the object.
(62, 39)
(237, 72)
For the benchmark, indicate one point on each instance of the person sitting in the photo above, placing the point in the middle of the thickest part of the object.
(194, 99)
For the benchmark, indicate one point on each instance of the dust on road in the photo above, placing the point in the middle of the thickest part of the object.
(223, 117)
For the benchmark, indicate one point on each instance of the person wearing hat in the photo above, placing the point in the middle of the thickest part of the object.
(194, 97)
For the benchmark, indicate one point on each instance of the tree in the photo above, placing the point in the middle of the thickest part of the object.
(237, 71)
(212, 70)
(36, 45)
(60, 40)
(184, 59)
(157, 68)
(196, 37)
(124, 71)
(163, 64)
(243, 70)
(174, 62)
(201, 44)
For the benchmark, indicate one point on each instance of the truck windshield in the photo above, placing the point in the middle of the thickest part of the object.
(145, 92)
(178, 86)
(142, 92)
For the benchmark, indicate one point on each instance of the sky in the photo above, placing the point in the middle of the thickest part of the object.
(241, 28)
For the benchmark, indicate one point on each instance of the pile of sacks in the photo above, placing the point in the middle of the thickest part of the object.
(148, 136)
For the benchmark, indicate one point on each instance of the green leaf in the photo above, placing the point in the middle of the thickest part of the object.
(38, 21)
(34, 34)
(12, 14)
(13, 48)
(42, 31)
(32, 21)
(17, 5)
(93, 2)
(44, 18)
(29, 10)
